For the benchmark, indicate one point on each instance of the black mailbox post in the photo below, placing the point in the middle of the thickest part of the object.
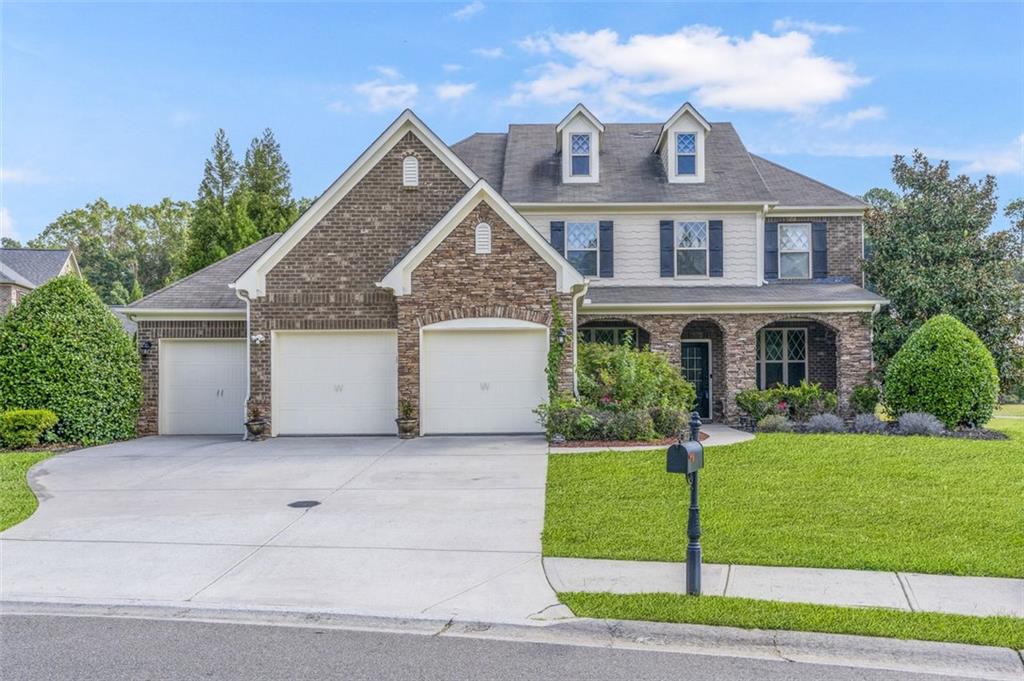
(688, 458)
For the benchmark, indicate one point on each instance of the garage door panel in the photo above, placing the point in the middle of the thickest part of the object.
(202, 387)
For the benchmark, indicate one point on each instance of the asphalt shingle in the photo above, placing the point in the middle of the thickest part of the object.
(790, 188)
(36, 265)
(484, 153)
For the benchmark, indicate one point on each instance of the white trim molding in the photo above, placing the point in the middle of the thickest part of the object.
(730, 308)
(686, 108)
(254, 280)
(484, 324)
(579, 110)
(182, 314)
(399, 279)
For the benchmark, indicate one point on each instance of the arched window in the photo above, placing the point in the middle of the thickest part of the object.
(483, 238)
(411, 171)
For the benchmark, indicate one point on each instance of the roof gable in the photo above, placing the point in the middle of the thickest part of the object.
(399, 279)
(37, 265)
(685, 110)
(254, 279)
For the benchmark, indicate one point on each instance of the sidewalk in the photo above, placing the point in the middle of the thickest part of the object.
(980, 596)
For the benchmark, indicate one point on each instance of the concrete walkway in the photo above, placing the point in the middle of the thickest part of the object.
(717, 435)
(979, 596)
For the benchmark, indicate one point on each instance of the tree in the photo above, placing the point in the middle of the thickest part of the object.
(931, 254)
(1015, 212)
(266, 176)
(8, 242)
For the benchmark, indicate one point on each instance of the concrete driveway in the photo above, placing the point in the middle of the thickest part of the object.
(432, 527)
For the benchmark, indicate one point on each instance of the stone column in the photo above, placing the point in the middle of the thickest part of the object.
(853, 355)
(739, 334)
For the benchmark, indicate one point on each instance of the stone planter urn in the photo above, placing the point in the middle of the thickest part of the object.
(257, 428)
(406, 428)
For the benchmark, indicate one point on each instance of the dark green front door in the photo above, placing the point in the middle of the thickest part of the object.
(697, 370)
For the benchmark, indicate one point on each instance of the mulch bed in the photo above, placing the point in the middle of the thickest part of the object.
(664, 442)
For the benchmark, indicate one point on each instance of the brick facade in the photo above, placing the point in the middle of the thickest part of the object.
(151, 332)
(845, 244)
(454, 282)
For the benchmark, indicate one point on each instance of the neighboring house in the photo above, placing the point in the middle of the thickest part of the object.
(23, 269)
(425, 274)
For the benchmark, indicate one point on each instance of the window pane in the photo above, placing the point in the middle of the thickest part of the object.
(794, 266)
(690, 263)
(580, 165)
(586, 335)
(581, 144)
(582, 235)
(772, 344)
(797, 373)
(772, 373)
(692, 235)
(584, 261)
(797, 350)
(686, 143)
(604, 336)
(686, 164)
(795, 237)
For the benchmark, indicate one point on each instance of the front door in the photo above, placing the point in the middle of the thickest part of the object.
(697, 370)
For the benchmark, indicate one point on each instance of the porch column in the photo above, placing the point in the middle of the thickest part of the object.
(666, 335)
(853, 355)
(738, 338)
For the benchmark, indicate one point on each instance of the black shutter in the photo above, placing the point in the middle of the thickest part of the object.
(819, 250)
(668, 255)
(771, 250)
(715, 249)
(606, 252)
(558, 236)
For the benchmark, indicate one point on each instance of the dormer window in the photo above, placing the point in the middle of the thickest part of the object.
(581, 154)
(686, 153)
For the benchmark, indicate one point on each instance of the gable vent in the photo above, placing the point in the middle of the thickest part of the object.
(483, 238)
(411, 172)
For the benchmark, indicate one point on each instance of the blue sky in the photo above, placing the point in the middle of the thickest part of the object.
(122, 101)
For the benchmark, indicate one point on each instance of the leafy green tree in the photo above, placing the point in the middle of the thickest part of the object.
(1015, 212)
(8, 242)
(932, 254)
(267, 178)
(118, 294)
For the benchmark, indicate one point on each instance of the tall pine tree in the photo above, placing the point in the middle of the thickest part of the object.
(267, 177)
(220, 224)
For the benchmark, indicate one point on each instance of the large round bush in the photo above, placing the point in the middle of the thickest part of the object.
(61, 349)
(622, 377)
(945, 370)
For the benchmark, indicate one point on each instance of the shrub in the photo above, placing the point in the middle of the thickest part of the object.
(622, 377)
(773, 423)
(23, 427)
(917, 423)
(630, 424)
(943, 369)
(61, 349)
(756, 403)
(669, 422)
(800, 402)
(564, 416)
(864, 398)
(825, 423)
(868, 424)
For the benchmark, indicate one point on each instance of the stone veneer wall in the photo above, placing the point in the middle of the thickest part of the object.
(845, 244)
(8, 297)
(149, 415)
(454, 282)
(328, 280)
(852, 346)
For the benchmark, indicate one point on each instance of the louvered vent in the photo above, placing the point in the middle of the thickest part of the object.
(411, 172)
(483, 238)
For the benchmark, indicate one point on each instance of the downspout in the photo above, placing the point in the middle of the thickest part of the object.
(759, 242)
(248, 365)
(871, 332)
(575, 323)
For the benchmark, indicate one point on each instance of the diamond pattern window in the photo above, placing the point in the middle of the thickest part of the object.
(581, 246)
(781, 357)
(691, 249)
(580, 154)
(795, 250)
(613, 335)
(686, 153)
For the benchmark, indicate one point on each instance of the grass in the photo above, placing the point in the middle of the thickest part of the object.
(17, 501)
(1016, 410)
(753, 614)
(871, 502)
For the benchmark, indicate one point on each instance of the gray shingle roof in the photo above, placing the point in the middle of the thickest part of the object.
(484, 153)
(206, 289)
(771, 293)
(36, 265)
(790, 188)
(9, 276)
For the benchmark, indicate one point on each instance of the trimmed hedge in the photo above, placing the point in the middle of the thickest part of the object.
(61, 349)
(23, 427)
(945, 370)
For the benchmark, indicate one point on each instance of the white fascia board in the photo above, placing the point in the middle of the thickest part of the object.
(827, 211)
(484, 324)
(651, 207)
(253, 280)
(731, 308)
(399, 279)
(171, 314)
(686, 108)
(579, 110)
(74, 263)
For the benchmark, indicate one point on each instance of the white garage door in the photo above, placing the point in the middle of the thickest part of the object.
(483, 381)
(202, 387)
(335, 382)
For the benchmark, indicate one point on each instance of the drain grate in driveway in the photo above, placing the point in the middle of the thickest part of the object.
(304, 503)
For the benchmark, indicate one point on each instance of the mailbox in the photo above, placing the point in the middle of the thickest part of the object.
(685, 457)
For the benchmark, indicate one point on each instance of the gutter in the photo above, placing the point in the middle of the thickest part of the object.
(740, 307)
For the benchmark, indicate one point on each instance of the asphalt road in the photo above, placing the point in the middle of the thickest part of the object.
(57, 647)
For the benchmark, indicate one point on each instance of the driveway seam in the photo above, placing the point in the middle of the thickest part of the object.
(486, 581)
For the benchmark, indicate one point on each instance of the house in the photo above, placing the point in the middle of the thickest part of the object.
(427, 275)
(23, 269)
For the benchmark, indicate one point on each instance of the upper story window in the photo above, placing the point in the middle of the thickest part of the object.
(691, 249)
(580, 153)
(795, 250)
(411, 172)
(483, 238)
(686, 153)
(581, 246)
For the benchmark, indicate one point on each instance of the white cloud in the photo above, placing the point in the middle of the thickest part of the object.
(181, 118)
(448, 91)
(489, 52)
(999, 161)
(451, 68)
(339, 106)
(787, 24)
(535, 44)
(381, 96)
(22, 176)
(7, 224)
(469, 10)
(762, 72)
(851, 118)
(388, 72)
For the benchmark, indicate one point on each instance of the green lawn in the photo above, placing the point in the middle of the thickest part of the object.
(915, 504)
(752, 614)
(17, 501)
(1012, 410)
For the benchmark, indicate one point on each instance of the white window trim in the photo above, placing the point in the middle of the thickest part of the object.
(589, 155)
(696, 165)
(596, 249)
(786, 330)
(706, 249)
(810, 247)
(482, 239)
